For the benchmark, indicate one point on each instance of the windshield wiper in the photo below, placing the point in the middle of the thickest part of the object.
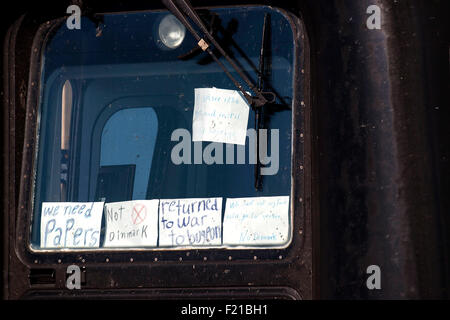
(260, 88)
(184, 12)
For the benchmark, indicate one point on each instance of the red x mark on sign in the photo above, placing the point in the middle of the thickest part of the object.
(139, 213)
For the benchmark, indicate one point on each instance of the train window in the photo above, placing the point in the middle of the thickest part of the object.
(143, 141)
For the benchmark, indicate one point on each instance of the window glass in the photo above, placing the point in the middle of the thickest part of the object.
(116, 164)
(128, 139)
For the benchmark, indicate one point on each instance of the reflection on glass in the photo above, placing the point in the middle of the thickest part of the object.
(110, 133)
(66, 113)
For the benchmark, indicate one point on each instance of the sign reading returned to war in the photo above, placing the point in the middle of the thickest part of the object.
(190, 222)
(71, 224)
(131, 223)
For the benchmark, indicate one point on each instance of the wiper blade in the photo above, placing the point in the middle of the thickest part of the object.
(260, 88)
(184, 12)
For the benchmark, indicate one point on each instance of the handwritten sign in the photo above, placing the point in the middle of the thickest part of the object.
(220, 115)
(190, 222)
(256, 221)
(71, 224)
(131, 223)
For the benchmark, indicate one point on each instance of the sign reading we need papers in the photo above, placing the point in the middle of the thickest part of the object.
(220, 115)
(71, 224)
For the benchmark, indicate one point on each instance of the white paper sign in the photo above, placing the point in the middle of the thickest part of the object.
(256, 221)
(71, 224)
(131, 223)
(190, 222)
(220, 115)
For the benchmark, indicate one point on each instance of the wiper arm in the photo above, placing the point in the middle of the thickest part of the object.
(183, 10)
(261, 72)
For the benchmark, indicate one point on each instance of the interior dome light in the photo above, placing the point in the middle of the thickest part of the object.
(171, 32)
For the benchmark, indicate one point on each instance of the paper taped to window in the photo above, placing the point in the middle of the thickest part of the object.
(190, 222)
(71, 224)
(256, 221)
(220, 115)
(131, 223)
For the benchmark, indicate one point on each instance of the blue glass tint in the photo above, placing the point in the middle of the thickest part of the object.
(130, 93)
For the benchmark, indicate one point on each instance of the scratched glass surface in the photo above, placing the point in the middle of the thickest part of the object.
(112, 95)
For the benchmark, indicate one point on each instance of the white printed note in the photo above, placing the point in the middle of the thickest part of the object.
(131, 223)
(71, 224)
(190, 222)
(256, 221)
(220, 115)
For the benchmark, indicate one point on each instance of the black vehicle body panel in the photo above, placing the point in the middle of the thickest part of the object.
(376, 168)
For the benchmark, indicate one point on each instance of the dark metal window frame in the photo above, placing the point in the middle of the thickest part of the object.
(300, 244)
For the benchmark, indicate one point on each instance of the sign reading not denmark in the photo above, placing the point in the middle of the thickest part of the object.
(132, 223)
